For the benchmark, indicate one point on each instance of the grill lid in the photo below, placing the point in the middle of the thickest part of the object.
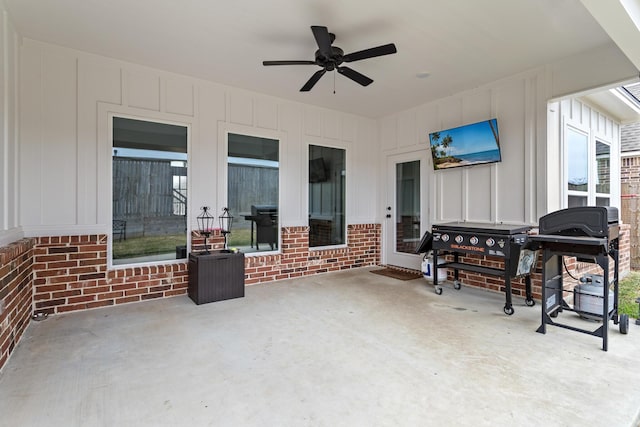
(589, 221)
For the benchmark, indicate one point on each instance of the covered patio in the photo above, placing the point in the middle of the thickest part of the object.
(347, 348)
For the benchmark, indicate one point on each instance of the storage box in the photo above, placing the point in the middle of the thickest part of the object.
(216, 276)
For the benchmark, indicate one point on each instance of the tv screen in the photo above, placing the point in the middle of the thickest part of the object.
(317, 170)
(467, 145)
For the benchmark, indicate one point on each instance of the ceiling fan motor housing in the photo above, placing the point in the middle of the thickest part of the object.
(331, 62)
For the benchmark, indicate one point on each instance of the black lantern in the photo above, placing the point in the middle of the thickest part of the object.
(226, 220)
(205, 225)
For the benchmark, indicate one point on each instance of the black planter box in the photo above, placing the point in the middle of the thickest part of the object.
(216, 276)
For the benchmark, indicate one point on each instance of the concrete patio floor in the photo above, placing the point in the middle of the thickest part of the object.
(339, 349)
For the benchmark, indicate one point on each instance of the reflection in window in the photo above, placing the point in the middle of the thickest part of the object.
(603, 173)
(575, 201)
(578, 160)
(179, 187)
(149, 191)
(253, 192)
(327, 174)
(589, 172)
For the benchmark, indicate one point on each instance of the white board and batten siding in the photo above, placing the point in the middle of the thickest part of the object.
(527, 183)
(68, 97)
(490, 193)
(58, 174)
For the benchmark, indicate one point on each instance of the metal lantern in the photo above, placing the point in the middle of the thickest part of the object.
(226, 220)
(205, 225)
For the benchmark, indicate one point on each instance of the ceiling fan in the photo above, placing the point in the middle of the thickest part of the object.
(330, 58)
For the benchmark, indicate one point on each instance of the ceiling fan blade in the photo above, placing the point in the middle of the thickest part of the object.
(288, 62)
(323, 39)
(355, 76)
(313, 80)
(386, 49)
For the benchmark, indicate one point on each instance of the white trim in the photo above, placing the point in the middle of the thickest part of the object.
(106, 112)
(388, 242)
(578, 128)
(593, 137)
(337, 145)
(625, 99)
(65, 230)
(224, 129)
(630, 153)
(10, 236)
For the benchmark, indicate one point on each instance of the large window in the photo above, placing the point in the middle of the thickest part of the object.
(327, 174)
(253, 192)
(588, 169)
(149, 191)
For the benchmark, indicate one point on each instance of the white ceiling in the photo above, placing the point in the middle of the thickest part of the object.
(462, 44)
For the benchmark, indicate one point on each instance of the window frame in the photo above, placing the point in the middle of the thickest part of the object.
(106, 182)
(223, 167)
(592, 169)
(345, 148)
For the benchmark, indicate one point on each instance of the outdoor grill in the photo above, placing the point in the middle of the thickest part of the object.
(590, 234)
(503, 241)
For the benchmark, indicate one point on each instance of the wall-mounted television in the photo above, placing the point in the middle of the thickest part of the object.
(317, 170)
(466, 145)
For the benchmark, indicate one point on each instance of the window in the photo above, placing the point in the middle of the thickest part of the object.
(179, 187)
(407, 206)
(149, 191)
(253, 192)
(588, 169)
(327, 174)
(603, 173)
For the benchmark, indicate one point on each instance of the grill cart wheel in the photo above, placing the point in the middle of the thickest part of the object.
(456, 285)
(508, 310)
(438, 290)
(624, 324)
(530, 302)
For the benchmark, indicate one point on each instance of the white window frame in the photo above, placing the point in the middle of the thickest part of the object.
(108, 144)
(223, 183)
(592, 138)
(345, 230)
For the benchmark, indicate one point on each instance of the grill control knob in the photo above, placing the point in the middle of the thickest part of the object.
(473, 240)
(490, 242)
(459, 239)
(445, 237)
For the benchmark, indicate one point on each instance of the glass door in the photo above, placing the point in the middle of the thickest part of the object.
(405, 211)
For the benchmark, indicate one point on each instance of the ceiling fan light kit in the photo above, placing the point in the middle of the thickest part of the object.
(331, 58)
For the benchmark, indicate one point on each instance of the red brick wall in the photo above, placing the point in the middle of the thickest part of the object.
(624, 247)
(296, 259)
(70, 273)
(15, 294)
